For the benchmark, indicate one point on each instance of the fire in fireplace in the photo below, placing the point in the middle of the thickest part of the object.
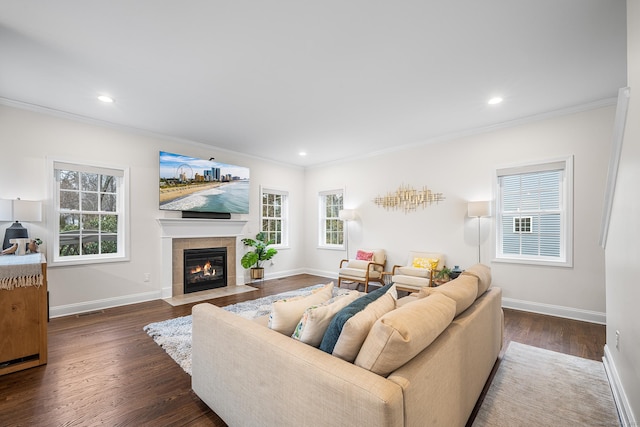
(204, 269)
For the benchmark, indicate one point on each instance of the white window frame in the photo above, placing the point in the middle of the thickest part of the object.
(566, 213)
(322, 232)
(122, 210)
(284, 217)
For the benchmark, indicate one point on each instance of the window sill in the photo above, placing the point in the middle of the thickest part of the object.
(332, 248)
(563, 264)
(86, 261)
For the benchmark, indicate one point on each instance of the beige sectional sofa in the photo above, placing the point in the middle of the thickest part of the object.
(251, 375)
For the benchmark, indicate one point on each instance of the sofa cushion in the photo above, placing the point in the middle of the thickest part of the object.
(286, 313)
(356, 329)
(413, 271)
(462, 290)
(315, 319)
(358, 263)
(359, 273)
(483, 273)
(401, 334)
(337, 323)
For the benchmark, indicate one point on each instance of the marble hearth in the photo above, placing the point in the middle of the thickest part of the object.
(179, 234)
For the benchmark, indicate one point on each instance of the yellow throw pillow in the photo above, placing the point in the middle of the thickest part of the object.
(421, 263)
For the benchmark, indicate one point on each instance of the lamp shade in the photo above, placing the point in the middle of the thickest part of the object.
(27, 210)
(479, 209)
(6, 210)
(347, 214)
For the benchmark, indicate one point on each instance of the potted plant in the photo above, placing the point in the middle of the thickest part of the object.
(442, 276)
(254, 259)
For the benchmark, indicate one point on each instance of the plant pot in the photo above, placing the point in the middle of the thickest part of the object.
(257, 273)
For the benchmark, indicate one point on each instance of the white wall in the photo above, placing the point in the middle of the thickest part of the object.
(622, 250)
(30, 138)
(464, 169)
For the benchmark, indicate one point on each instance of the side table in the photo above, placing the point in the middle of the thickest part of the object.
(23, 312)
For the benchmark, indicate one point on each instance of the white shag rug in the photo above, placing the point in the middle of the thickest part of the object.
(174, 335)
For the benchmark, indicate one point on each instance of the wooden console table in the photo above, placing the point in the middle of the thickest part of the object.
(23, 312)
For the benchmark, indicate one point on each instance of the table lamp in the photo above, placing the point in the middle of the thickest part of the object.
(20, 210)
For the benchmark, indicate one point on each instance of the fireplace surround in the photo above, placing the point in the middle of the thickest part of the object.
(181, 244)
(181, 233)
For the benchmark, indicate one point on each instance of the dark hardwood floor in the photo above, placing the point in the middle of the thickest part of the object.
(103, 369)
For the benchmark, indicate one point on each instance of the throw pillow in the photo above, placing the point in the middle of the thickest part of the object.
(421, 263)
(286, 313)
(356, 329)
(315, 319)
(483, 273)
(335, 327)
(364, 255)
(462, 290)
(401, 334)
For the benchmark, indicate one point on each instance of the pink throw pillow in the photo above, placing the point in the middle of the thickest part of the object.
(364, 256)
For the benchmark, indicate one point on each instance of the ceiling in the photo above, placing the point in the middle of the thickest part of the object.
(333, 78)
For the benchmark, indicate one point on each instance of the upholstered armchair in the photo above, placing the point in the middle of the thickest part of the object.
(418, 271)
(367, 267)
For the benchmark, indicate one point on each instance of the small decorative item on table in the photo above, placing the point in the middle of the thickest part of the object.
(33, 245)
(455, 272)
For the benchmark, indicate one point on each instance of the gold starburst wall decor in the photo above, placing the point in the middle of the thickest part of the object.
(408, 199)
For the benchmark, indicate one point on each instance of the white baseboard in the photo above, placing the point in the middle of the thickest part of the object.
(556, 310)
(69, 309)
(619, 396)
(242, 280)
(330, 274)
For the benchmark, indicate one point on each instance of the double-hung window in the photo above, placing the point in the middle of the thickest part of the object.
(534, 220)
(331, 226)
(274, 213)
(90, 213)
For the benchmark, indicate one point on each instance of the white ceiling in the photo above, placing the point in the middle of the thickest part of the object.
(333, 78)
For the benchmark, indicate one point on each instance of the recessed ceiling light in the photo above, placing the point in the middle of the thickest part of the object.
(495, 100)
(302, 153)
(105, 98)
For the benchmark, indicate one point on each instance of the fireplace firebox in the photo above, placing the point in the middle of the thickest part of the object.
(204, 269)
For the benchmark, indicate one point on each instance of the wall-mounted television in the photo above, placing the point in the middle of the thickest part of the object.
(189, 184)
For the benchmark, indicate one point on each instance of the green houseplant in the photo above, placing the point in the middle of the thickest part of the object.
(442, 276)
(261, 252)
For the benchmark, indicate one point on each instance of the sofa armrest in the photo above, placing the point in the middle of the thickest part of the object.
(372, 267)
(287, 383)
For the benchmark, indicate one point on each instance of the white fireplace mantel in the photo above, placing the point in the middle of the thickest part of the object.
(198, 227)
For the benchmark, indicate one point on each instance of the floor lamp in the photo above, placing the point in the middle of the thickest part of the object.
(478, 210)
(347, 215)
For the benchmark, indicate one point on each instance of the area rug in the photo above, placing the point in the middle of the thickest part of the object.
(538, 387)
(174, 335)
